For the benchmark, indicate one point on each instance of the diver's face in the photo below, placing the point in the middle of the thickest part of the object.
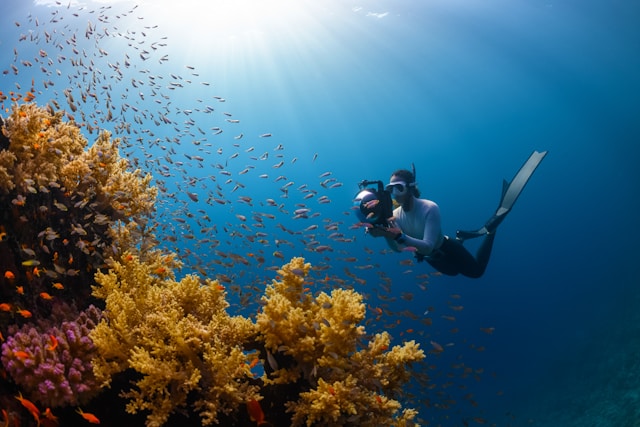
(398, 188)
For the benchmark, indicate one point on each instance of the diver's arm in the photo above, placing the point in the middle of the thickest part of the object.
(431, 237)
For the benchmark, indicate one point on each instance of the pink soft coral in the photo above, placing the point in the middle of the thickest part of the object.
(53, 366)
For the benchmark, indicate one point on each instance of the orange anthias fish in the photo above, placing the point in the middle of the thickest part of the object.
(24, 313)
(255, 412)
(89, 417)
(9, 275)
(54, 343)
(30, 407)
(49, 415)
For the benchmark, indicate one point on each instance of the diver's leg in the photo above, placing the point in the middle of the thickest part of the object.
(483, 255)
(453, 259)
(445, 260)
(456, 259)
(443, 265)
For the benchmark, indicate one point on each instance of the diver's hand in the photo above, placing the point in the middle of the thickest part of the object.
(377, 231)
(388, 232)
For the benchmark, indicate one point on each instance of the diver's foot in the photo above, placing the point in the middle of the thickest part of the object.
(489, 228)
(494, 222)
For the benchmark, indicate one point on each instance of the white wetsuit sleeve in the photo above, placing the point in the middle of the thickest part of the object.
(432, 234)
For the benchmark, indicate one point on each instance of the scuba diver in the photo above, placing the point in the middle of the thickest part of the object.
(415, 224)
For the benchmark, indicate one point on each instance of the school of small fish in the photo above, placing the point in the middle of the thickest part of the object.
(231, 204)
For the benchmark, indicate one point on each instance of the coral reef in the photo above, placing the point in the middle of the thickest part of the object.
(40, 144)
(176, 334)
(180, 341)
(53, 366)
(45, 152)
(65, 207)
(321, 335)
(78, 231)
(103, 178)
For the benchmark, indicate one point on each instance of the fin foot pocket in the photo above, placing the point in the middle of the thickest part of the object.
(495, 221)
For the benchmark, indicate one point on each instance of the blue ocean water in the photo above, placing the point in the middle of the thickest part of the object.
(465, 90)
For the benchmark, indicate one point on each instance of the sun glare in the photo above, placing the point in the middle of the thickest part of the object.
(229, 18)
(212, 18)
(237, 34)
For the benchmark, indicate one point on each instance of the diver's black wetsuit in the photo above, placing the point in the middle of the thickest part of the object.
(452, 258)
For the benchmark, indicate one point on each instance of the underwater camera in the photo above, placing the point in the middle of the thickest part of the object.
(373, 205)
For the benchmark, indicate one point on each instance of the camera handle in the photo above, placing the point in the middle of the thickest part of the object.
(365, 183)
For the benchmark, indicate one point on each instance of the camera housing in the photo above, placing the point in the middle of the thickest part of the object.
(373, 203)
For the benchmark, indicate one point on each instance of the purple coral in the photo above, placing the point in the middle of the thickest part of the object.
(55, 374)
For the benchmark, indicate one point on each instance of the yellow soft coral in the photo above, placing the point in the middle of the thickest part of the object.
(322, 336)
(345, 402)
(40, 144)
(182, 343)
(44, 151)
(7, 165)
(176, 334)
(309, 328)
(103, 176)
